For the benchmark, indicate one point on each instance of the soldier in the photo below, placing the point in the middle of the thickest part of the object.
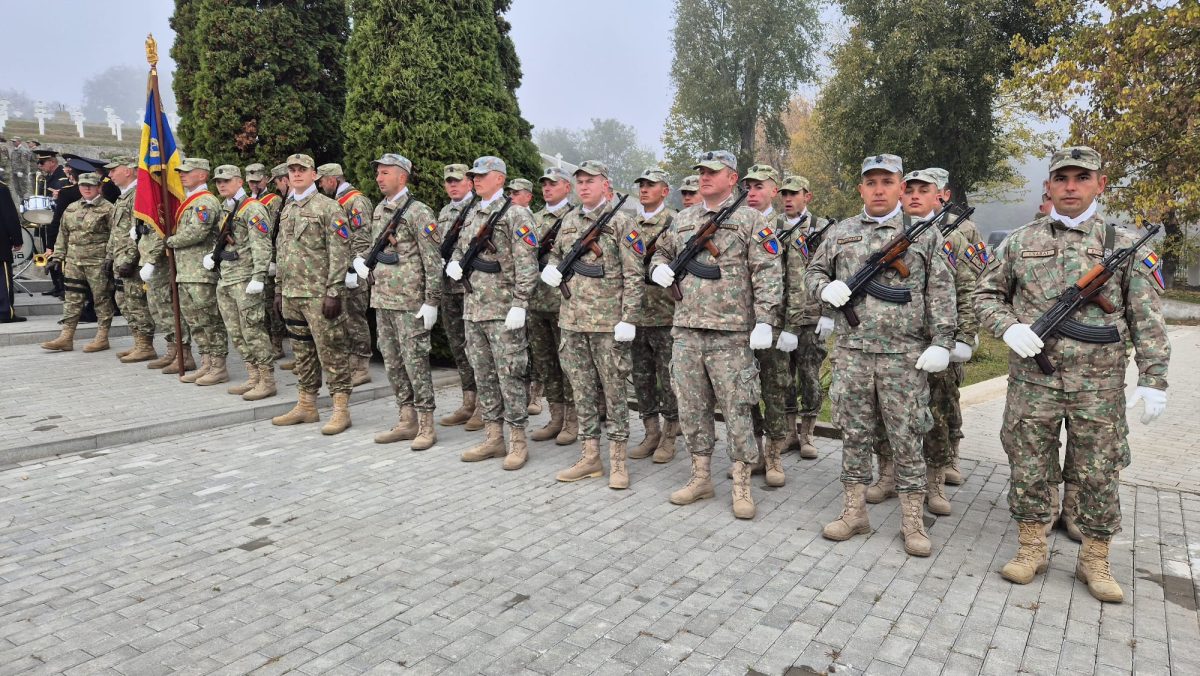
(804, 320)
(273, 201)
(520, 190)
(652, 344)
(313, 257)
(122, 261)
(875, 386)
(79, 255)
(711, 359)
(358, 209)
(10, 235)
(542, 324)
(496, 342)
(258, 183)
(156, 274)
(459, 189)
(406, 292)
(243, 270)
(597, 320)
(689, 191)
(196, 224)
(1086, 390)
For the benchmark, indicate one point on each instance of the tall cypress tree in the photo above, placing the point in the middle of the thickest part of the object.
(257, 80)
(434, 81)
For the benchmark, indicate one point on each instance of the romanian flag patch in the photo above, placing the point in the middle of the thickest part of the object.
(527, 235)
(801, 243)
(634, 240)
(339, 226)
(260, 224)
(981, 249)
(971, 252)
(203, 214)
(430, 230)
(767, 237)
(356, 218)
(948, 249)
(1154, 264)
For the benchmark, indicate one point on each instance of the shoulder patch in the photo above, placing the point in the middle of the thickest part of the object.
(356, 217)
(1154, 265)
(848, 240)
(634, 241)
(260, 224)
(203, 213)
(430, 229)
(339, 227)
(764, 234)
(527, 235)
(982, 251)
(801, 245)
(1045, 253)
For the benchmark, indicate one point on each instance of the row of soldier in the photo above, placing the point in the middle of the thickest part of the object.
(742, 328)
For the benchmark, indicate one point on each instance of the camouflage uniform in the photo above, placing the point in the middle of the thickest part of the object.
(597, 365)
(273, 204)
(358, 212)
(542, 326)
(652, 344)
(123, 252)
(153, 251)
(773, 375)
(197, 224)
(803, 311)
(82, 246)
(451, 311)
(245, 313)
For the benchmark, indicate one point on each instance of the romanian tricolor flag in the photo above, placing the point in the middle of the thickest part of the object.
(157, 161)
(1155, 265)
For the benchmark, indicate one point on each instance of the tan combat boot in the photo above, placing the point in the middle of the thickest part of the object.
(759, 466)
(406, 427)
(854, 520)
(588, 466)
(265, 387)
(666, 443)
(518, 450)
(743, 501)
(100, 342)
(1070, 507)
(551, 428)
(340, 420)
(252, 376)
(773, 457)
(143, 349)
(463, 413)
(570, 429)
(492, 445)
(166, 359)
(808, 450)
(196, 374)
(475, 422)
(792, 441)
(885, 487)
(699, 485)
(954, 475)
(277, 346)
(935, 492)
(189, 364)
(534, 395)
(912, 524)
(65, 342)
(122, 353)
(360, 373)
(305, 411)
(1092, 569)
(1055, 510)
(1032, 557)
(217, 372)
(288, 365)
(426, 435)
(650, 443)
(618, 473)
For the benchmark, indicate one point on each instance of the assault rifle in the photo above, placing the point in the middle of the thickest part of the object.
(225, 238)
(482, 240)
(570, 264)
(450, 239)
(547, 243)
(1057, 320)
(685, 261)
(811, 242)
(376, 255)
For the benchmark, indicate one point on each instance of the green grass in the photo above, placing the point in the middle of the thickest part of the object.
(1183, 294)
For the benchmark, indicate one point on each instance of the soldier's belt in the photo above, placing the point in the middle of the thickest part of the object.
(701, 270)
(387, 257)
(587, 270)
(297, 336)
(228, 255)
(891, 294)
(491, 267)
(1088, 334)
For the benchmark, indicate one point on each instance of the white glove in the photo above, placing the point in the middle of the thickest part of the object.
(146, 271)
(1156, 402)
(760, 337)
(836, 293)
(351, 280)
(208, 262)
(825, 328)
(934, 359)
(272, 269)
(663, 276)
(515, 318)
(254, 287)
(623, 332)
(360, 266)
(454, 270)
(961, 352)
(1021, 339)
(133, 233)
(429, 314)
(787, 342)
(551, 276)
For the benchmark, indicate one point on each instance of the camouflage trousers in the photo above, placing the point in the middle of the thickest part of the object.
(246, 324)
(452, 322)
(499, 361)
(135, 308)
(804, 364)
(1096, 428)
(198, 303)
(545, 367)
(775, 384)
(77, 280)
(158, 293)
(320, 346)
(652, 376)
(358, 330)
(881, 399)
(404, 342)
(598, 368)
(954, 417)
(710, 368)
(943, 407)
(274, 322)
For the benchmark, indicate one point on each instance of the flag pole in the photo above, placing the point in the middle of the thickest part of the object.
(168, 219)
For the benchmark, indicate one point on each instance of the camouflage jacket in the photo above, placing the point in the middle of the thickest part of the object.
(887, 328)
(1029, 272)
(272, 202)
(150, 246)
(445, 220)
(312, 248)
(516, 252)
(750, 289)
(416, 278)
(358, 211)
(83, 232)
(123, 249)
(546, 298)
(598, 303)
(658, 307)
(955, 249)
(196, 225)
(251, 231)
(802, 309)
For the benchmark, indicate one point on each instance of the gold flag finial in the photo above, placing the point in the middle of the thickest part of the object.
(151, 50)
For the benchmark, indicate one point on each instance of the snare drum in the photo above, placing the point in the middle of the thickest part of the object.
(38, 209)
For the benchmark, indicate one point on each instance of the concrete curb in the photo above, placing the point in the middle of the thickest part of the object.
(38, 334)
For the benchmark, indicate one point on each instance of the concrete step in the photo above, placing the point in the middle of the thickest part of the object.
(40, 328)
(37, 285)
(37, 305)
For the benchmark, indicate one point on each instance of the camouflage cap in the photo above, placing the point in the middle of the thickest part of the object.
(1075, 156)
(330, 169)
(122, 161)
(886, 162)
(487, 164)
(279, 170)
(194, 163)
(395, 160)
(690, 184)
(227, 171)
(654, 175)
(90, 178)
(762, 172)
(255, 172)
(455, 172)
(302, 160)
(924, 176)
(716, 160)
(593, 167)
(794, 183)
(555, 174)
(520, 184)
